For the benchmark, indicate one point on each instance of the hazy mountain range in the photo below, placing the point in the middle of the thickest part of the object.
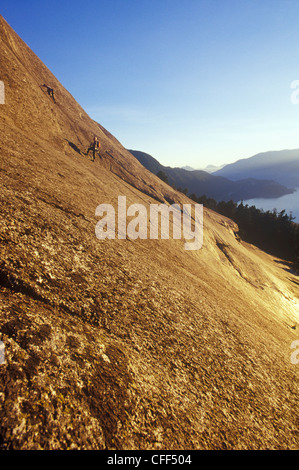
(208, 168)
(214, 185)
(281, 166)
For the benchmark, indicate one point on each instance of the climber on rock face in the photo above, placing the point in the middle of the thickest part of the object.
(94, 148)
(49, 90)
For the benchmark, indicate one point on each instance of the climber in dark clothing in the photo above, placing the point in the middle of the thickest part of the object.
(94, 148)
(50, 91)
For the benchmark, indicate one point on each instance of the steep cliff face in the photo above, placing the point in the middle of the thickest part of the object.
(126, 344)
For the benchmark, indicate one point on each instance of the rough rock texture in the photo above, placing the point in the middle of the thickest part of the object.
(122, 344)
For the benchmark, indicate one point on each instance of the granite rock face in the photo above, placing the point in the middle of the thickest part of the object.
(126, 344)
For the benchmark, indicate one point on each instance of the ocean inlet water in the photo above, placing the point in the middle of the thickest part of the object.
(289, 202)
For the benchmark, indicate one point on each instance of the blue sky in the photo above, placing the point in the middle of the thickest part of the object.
(192, 82)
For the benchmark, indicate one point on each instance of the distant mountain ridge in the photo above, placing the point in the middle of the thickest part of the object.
(212, 168)
(208, 168)
(281, 166)
(214, 186)
(188, 168)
